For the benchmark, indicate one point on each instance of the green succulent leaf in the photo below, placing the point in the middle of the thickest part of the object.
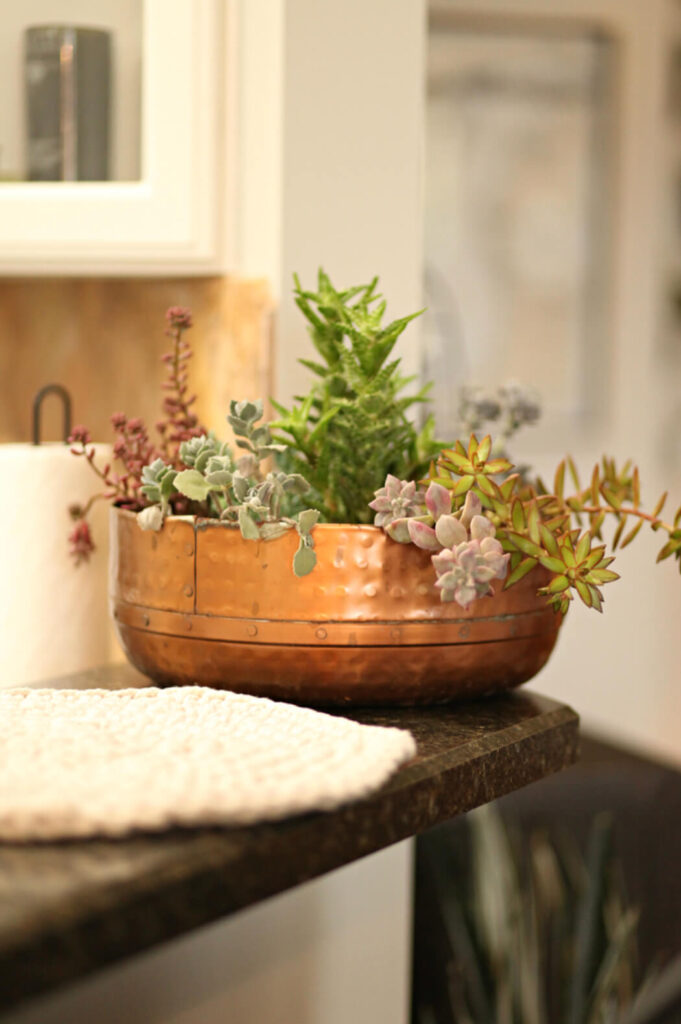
(525, 545)
(307, 520)
(194, 485)
(304, 560)
(552, 564)
(249, 528)
(521, 570)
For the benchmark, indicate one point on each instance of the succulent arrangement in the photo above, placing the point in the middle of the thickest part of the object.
(348, 451)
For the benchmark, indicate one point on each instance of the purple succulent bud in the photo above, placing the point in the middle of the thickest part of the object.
(422, 535)
(398, 529)
(480, 528)
(438, 500)
(472, 507)
(466, 571)
(398, 499)
(450, 531)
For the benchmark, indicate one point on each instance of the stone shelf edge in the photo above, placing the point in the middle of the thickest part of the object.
(67, 909)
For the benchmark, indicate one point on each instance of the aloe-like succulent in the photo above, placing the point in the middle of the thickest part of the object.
(353, 427)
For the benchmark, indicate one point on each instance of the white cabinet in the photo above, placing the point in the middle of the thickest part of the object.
(172, 219)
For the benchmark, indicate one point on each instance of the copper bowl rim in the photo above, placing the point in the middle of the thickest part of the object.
(235, 526)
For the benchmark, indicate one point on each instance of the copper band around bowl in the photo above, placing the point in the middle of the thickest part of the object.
(360, 634)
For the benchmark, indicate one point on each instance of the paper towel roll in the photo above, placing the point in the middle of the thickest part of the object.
(53, 615)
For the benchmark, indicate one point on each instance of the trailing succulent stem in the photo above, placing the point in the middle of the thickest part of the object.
(234, 490)
(556, 530)
(475, 507)
(352, 428)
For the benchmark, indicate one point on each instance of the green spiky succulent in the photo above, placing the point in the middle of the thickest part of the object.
(352, 429)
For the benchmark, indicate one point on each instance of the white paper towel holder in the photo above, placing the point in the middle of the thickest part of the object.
(52, 389)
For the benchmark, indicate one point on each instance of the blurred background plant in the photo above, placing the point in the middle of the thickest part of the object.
(537, 933)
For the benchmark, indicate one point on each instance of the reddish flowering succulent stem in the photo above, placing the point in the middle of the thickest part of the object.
(180, 423)
(132, 448)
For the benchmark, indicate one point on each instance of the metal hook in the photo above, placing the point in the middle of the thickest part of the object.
(52, 389)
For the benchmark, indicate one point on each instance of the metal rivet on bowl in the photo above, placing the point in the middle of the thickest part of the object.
(370, 590)
(320, 634)
(464, 631)
(252, 630)
(397, 592)
(396, 634)
(188, 624)
(189, 549)
(366, 540)
(361, 562)
(187, 590)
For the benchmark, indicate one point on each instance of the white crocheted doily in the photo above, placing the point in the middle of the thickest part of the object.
(79, 763)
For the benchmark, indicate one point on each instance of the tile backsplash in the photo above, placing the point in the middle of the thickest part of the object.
(103, 338)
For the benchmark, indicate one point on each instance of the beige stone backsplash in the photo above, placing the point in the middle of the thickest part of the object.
(103, 338)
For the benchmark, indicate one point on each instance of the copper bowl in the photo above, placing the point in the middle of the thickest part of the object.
(196, 603)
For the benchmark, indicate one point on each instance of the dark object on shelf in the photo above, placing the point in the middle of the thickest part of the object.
(65, 397)
(67, 76)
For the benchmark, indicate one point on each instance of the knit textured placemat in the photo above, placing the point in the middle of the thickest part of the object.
(77, 763)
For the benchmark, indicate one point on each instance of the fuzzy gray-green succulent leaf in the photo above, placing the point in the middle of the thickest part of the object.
(272, 449)
(158, 482)
(304, 559)
(295, 483)
(270, 531)
(219, 470)
(307, 520)
(239, 486)
(196, 452)
(220, 478)
(194, 485)
(247, 525)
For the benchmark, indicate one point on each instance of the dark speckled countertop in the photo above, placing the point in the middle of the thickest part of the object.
(67, 909)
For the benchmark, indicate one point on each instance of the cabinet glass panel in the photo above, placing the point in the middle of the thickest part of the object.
(70, 81)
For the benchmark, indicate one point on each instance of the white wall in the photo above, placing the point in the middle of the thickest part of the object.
(331, 155)
(620, 670)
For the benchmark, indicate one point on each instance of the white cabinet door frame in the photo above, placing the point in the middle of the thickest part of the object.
(171, 221)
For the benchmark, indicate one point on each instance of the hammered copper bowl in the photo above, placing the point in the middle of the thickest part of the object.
(196, 603)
